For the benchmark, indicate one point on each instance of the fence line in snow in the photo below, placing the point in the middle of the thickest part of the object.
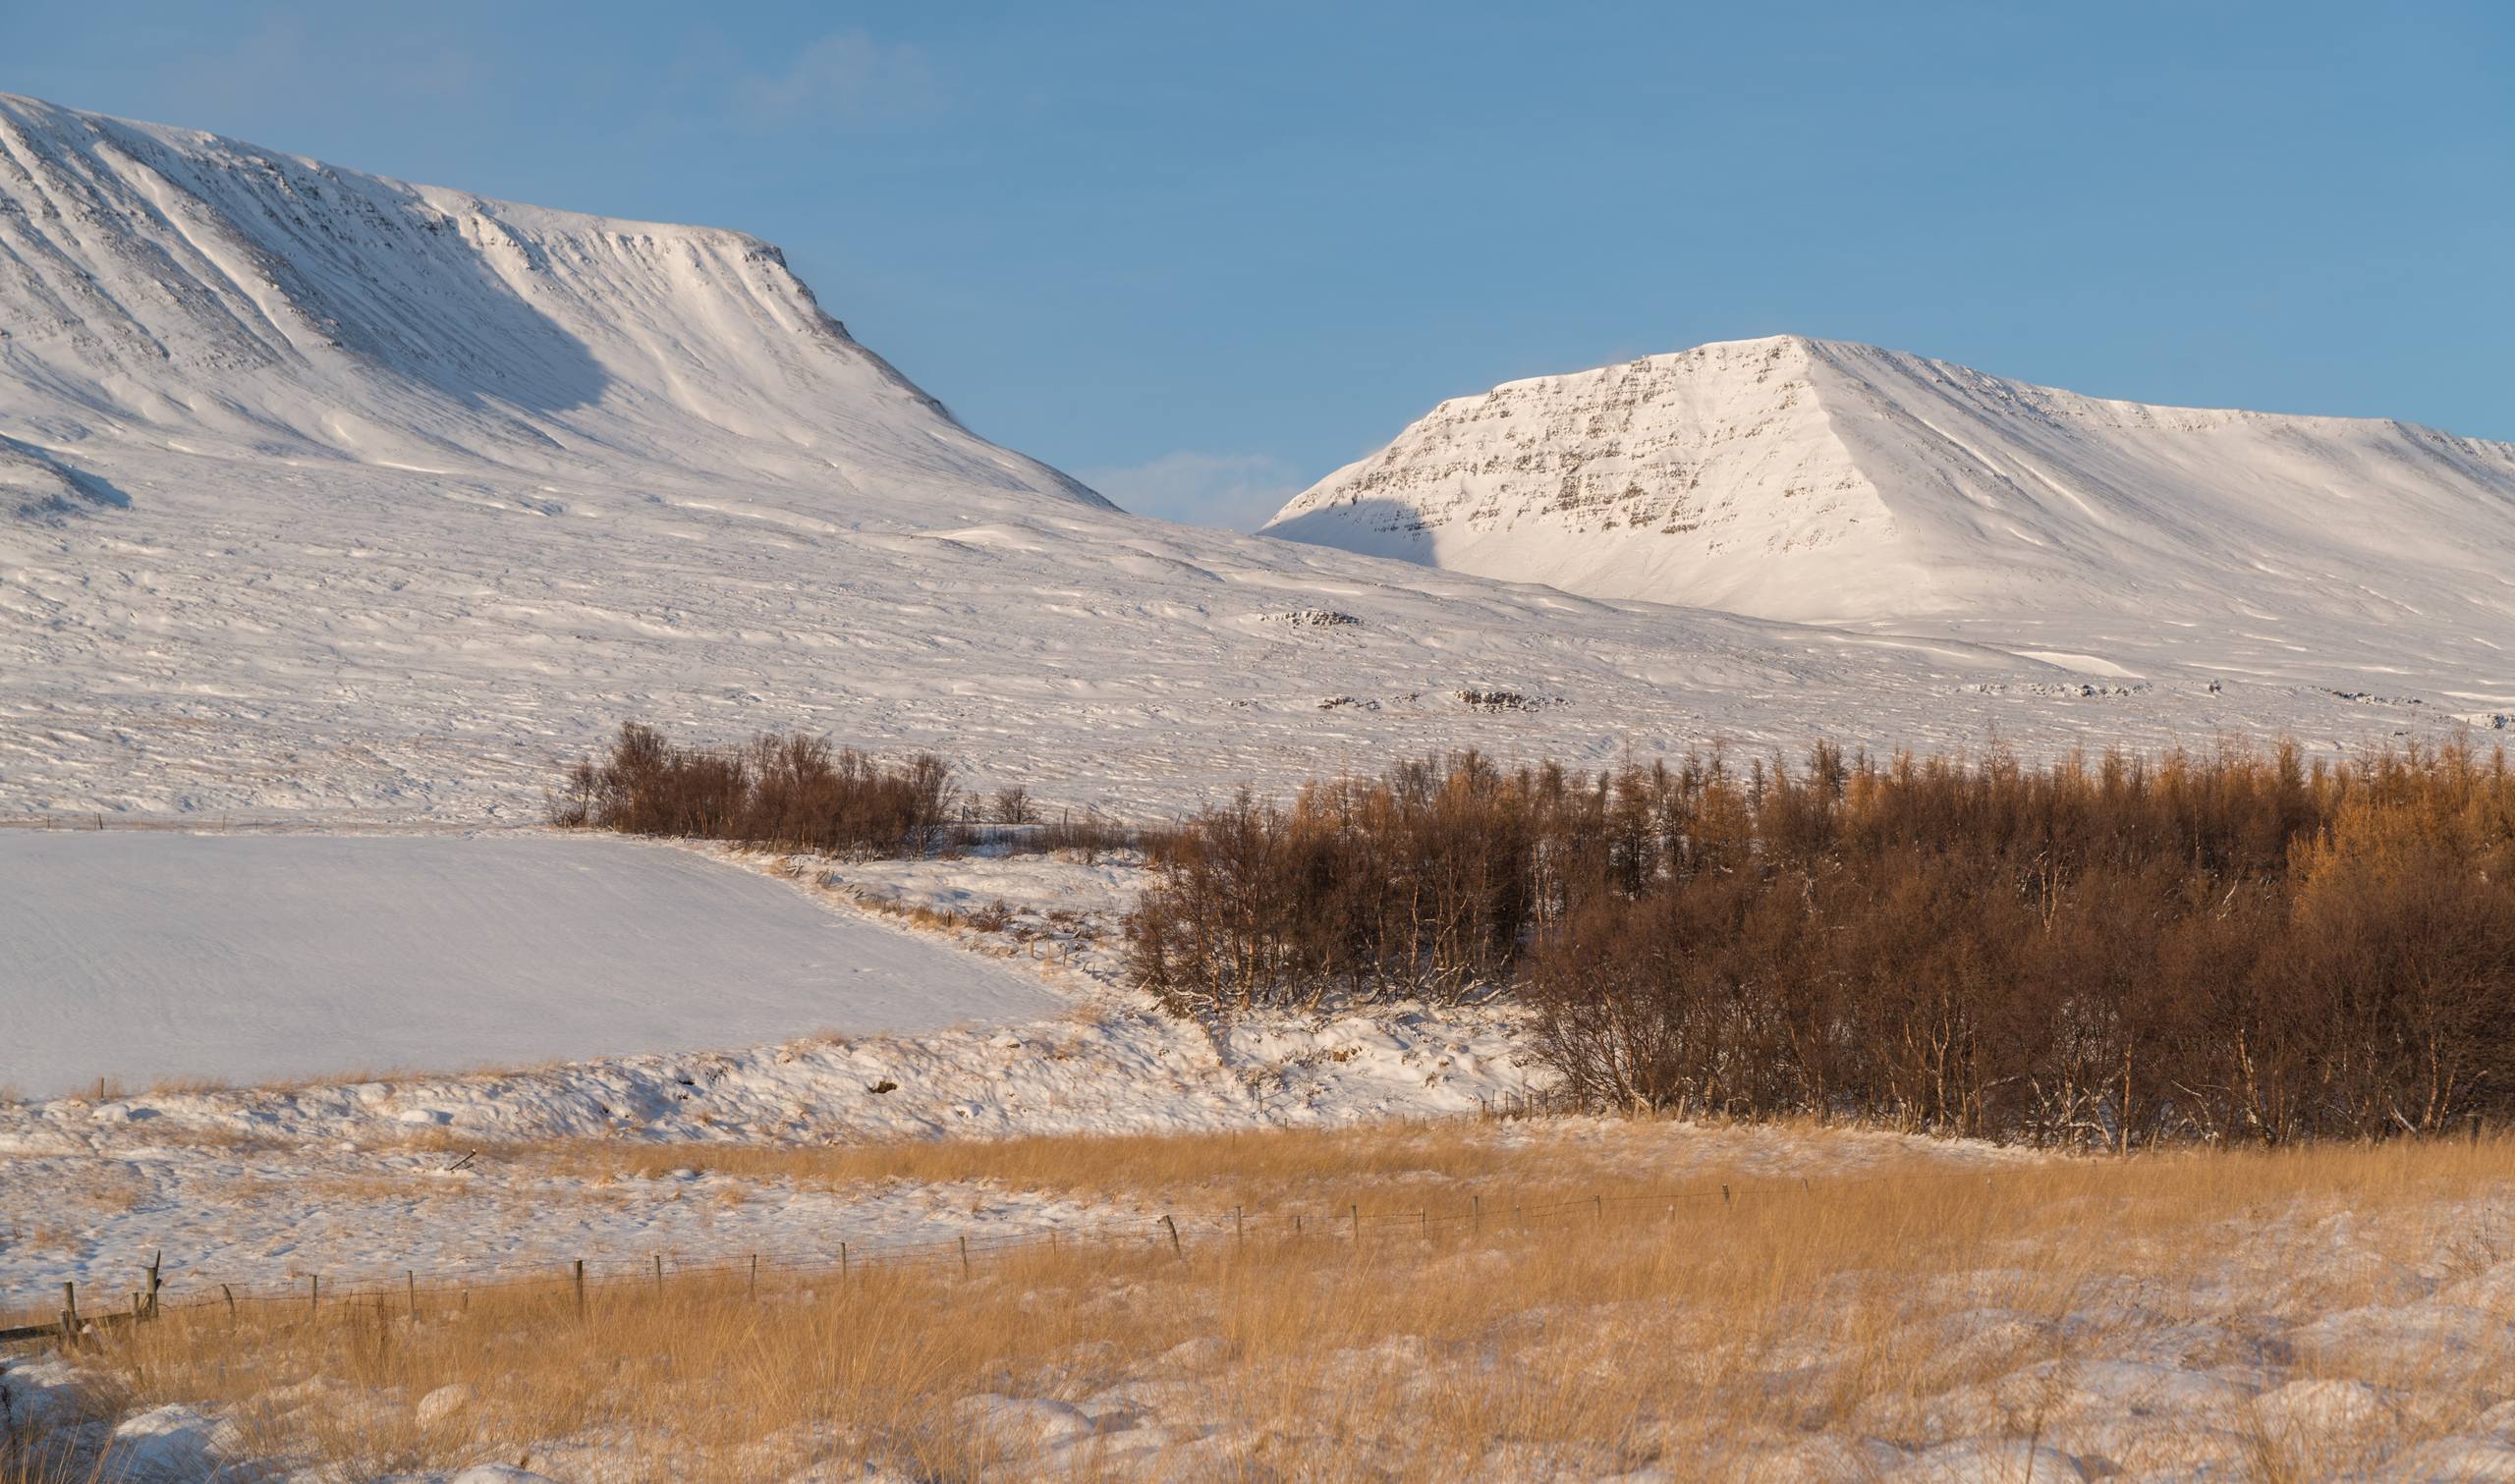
(574, 1280)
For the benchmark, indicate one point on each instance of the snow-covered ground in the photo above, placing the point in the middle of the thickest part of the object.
(813, 1019)
(328, 494)
(2283, 1334)
(254, 1185)
(148, 956)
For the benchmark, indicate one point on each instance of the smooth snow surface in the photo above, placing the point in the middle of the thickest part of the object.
(142, 956)
(1838, 483)
(322, 493)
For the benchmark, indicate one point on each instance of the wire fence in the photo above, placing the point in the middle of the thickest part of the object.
(92, 1308)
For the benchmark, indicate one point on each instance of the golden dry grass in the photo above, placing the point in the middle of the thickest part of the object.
(1756, 1336)
(1251, 1168)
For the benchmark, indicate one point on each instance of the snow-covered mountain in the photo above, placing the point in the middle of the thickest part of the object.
(244, 303)
(1839, 483)
(321, 491)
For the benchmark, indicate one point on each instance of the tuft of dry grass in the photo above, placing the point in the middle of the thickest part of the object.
(188, 1086)
(1439, 1329)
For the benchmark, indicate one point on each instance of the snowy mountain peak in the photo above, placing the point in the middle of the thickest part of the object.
(1622, 479)
(1822, 481)
(160, 282)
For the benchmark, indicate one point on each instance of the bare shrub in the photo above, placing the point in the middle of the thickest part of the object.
(2235, 947)
(1426, 881)
(1088, 835)
(787, 792)
(2106, 951)
(1012, 805)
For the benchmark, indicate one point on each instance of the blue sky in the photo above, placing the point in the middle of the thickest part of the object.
(1200, 255)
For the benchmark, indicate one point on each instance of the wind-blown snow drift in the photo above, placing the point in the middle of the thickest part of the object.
(321, 491)
(1826, 482)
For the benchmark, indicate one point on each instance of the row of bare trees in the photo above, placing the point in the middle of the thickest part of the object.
(792, 793)
(796, 792)
(2112, 951)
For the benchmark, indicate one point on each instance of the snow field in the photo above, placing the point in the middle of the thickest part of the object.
(156, 957)
(254, 1184)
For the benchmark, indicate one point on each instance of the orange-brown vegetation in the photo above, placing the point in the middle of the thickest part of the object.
(2115, 951)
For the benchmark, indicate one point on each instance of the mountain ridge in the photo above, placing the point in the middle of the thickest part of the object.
(1832, 482)
(326, 495)
(177, 279)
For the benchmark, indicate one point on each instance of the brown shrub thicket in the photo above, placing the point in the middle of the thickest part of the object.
(2115, 951)
(798, 792)
(788, 793)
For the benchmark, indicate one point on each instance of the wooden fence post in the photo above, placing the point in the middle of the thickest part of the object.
(1174, 1239)
(411, 1283)
(1356, 1212)
(754, 1278)
(842, 1264)
(229, 1295)
(313, 1291)
(156, 1260)
(69, 1314)
(965, 1254)
(1238, 1233)
(581, 1288)
(659, 1272)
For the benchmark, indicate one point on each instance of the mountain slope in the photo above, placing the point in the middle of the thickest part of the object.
(256, 303)
(322, 492)
(1840, 483)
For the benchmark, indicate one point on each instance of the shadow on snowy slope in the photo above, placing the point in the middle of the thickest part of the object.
(39, 486)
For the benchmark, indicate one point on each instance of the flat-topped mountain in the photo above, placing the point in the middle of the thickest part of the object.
(1829, 482)
(236, 300)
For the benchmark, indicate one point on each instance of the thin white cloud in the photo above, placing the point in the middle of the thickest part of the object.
(1235, 491)
(846, 77)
